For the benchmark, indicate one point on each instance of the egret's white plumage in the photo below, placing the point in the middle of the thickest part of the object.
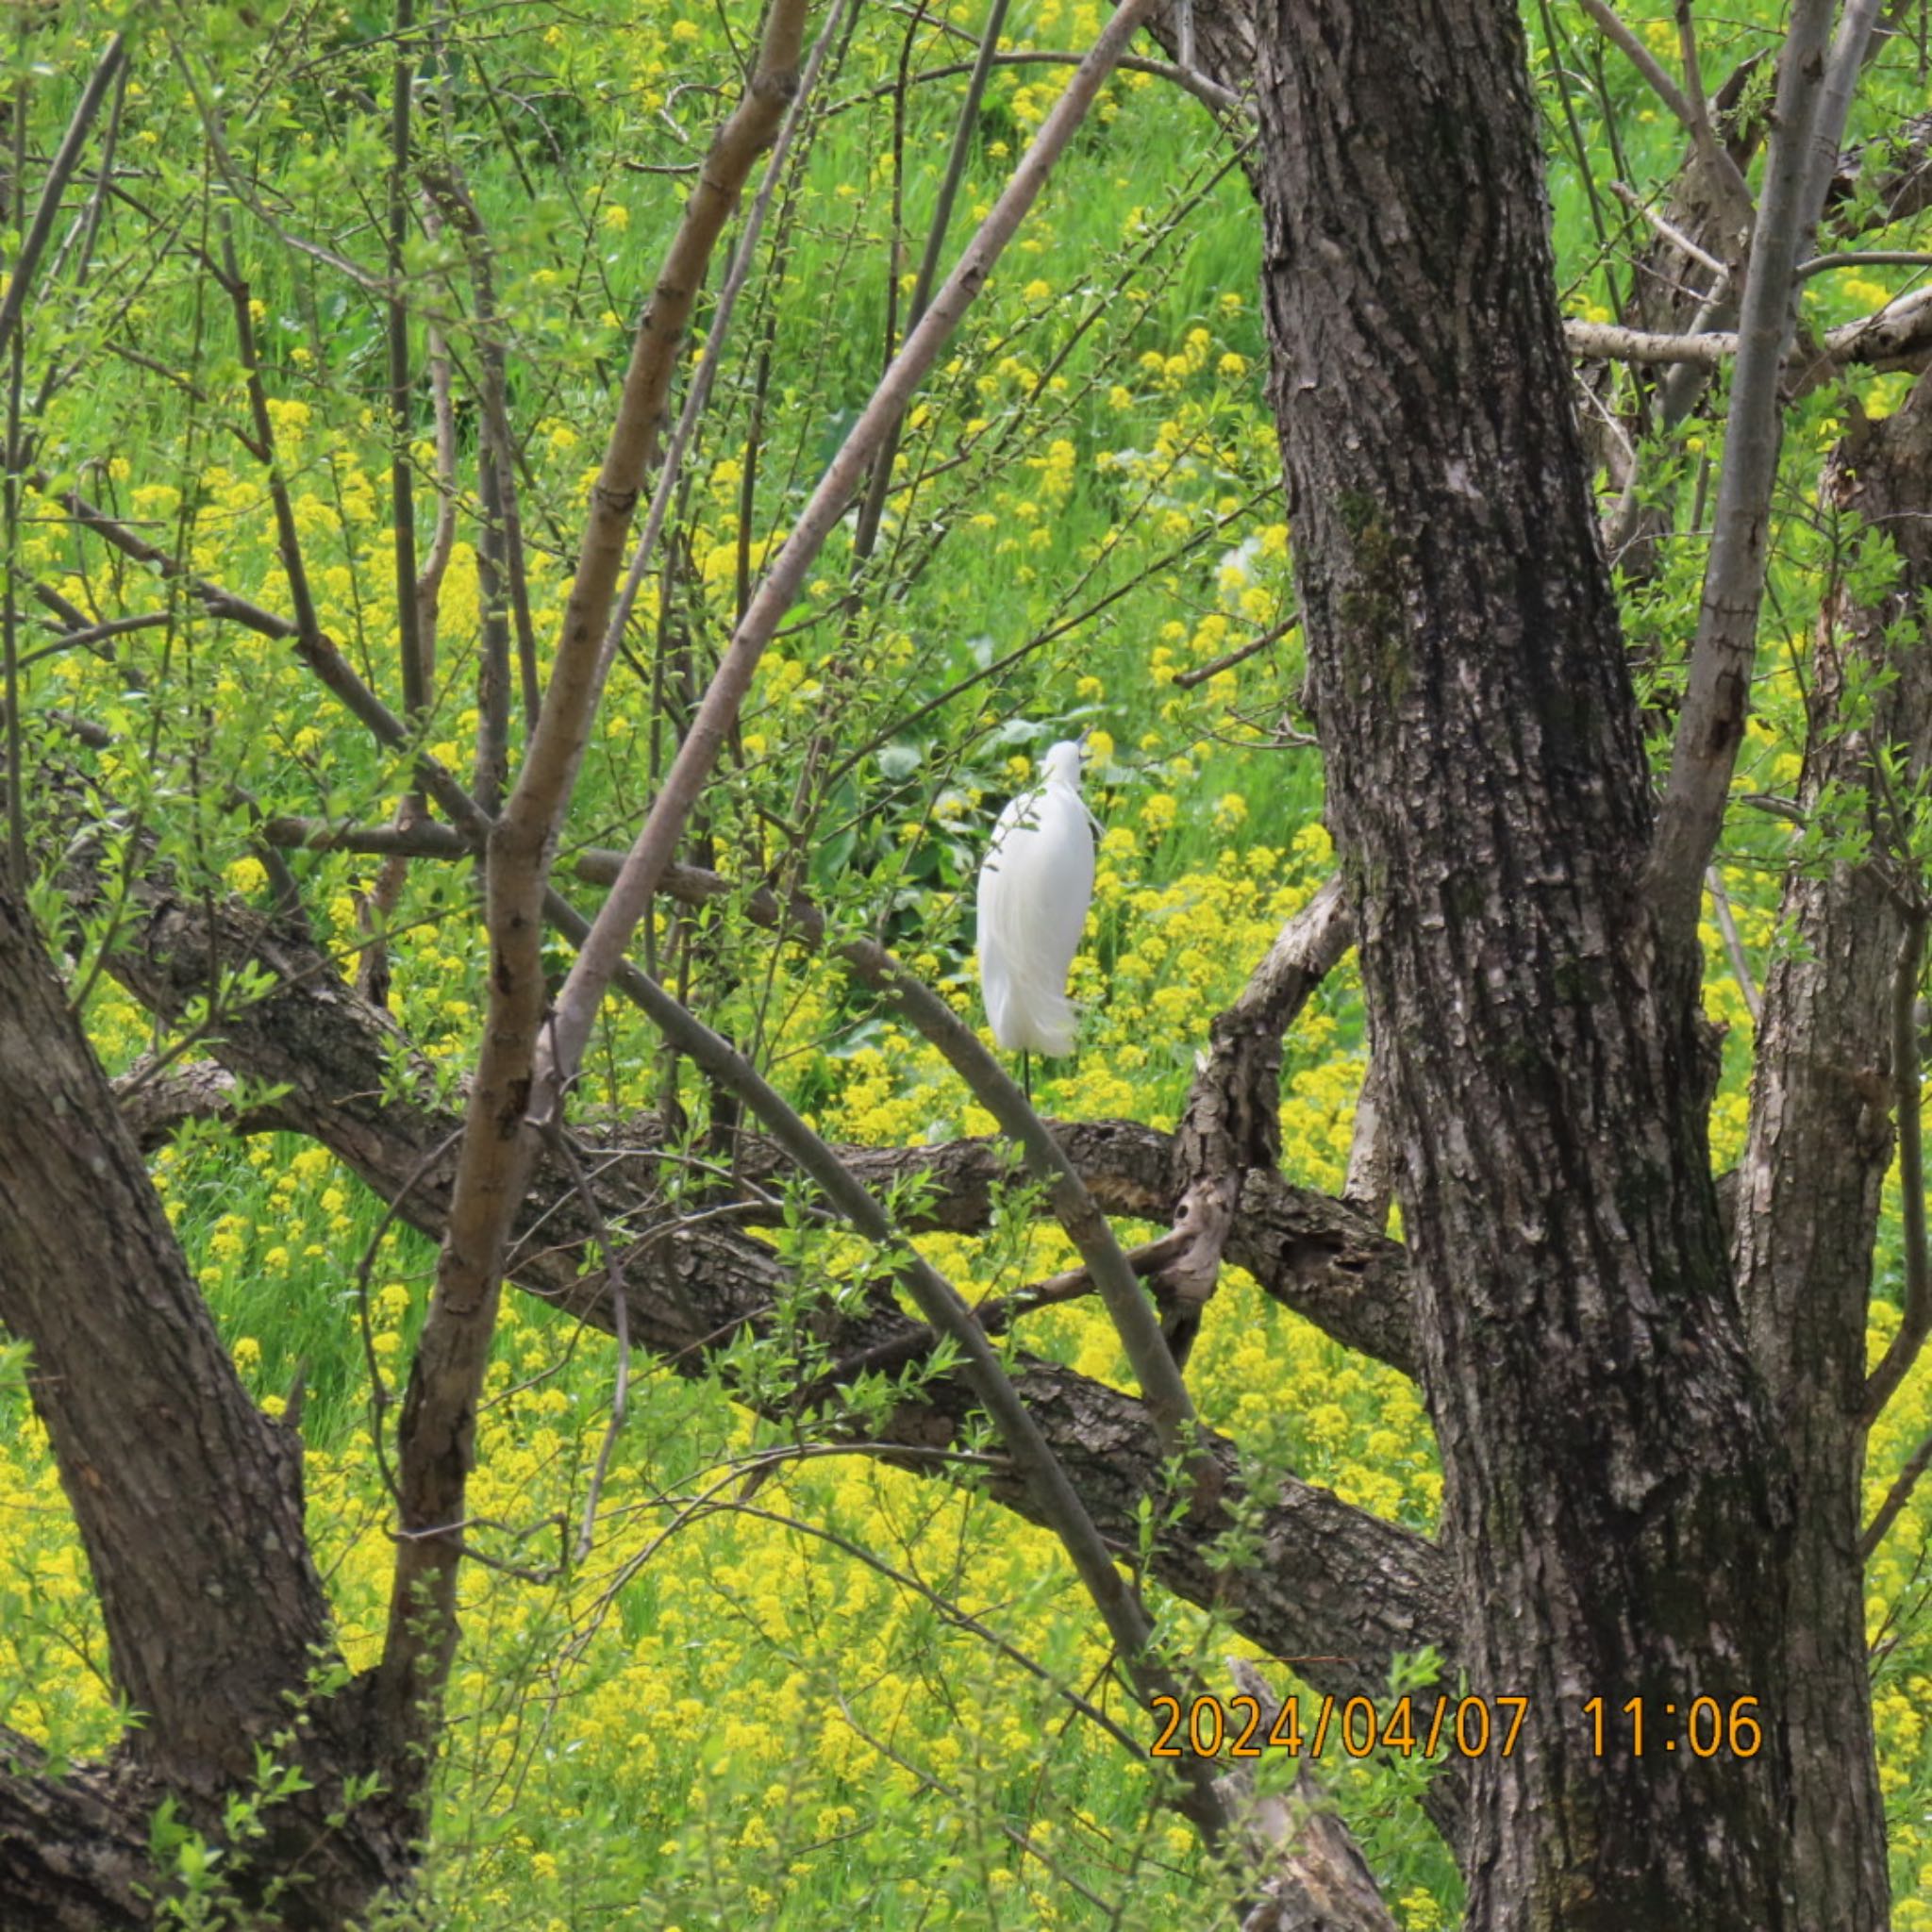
(1033, 891)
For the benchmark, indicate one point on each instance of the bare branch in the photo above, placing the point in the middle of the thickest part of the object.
(698, 395)
(1335, 1584)
(1057, 1502)
(402, 474)
(965, 134)
(1324, 1259)
(598, 962)
(1230, 1122)
(1161, 1387)
(1200, 673)
(1640, 57)
(59, 172)
(1895, 1500)
(1208, 91)
(1849, 48)
(1725, 181)
(437, 1433)
(1891, 337)
(1711, 725)
(1668, 229)
(1865, 257)
(1722, 170)
(1734, 946)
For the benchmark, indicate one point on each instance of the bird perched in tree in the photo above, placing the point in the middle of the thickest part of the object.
(1035, 886)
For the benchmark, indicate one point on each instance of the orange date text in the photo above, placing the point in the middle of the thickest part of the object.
(1433, 1727)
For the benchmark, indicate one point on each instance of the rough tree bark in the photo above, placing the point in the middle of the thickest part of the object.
(1601, 1391)
(1820, 1142)
(1340, 1589)
(189, 1502)
(1617, 1506)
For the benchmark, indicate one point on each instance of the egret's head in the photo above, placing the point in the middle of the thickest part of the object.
(1061, 764)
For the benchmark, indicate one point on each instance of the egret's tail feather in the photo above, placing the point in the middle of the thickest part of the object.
(1038, 1022)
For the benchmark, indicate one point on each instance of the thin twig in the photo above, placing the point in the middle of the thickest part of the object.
(1866, 257)
(619, 1324)
(1895, 1500)
(1734, 946)
(59, 172)
(1208, 91)
(1726, 182)
(691, 771)
(497, 1156)
(1669, 230)
(965, 134)
(715, 334)
(941, 1303)
(1187, 680)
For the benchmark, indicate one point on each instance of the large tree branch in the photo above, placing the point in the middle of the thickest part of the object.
(1338, 1587)
(188, 1503)
(1231, 1122)
(187, 1497)
(1324, 1258)
(1898, 337)
(73, 1850)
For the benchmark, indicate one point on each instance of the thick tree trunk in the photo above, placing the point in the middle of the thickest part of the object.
(1617, 1508)
(188, 1498)
(189, 1503)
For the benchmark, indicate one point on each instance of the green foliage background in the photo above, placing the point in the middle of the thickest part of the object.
(756, 1704)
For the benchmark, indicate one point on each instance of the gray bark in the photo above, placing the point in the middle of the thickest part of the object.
(1617, 1506)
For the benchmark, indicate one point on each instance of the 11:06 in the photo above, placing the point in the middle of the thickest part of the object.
(1702, 1726)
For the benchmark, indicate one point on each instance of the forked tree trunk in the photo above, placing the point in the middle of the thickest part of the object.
(1620, 1509)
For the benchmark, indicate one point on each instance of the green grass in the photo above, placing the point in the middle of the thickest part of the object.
(849, 1757)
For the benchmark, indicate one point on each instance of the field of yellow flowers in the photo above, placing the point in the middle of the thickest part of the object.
(832, 1696)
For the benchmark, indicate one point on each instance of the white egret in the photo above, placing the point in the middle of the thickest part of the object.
(1034, 886)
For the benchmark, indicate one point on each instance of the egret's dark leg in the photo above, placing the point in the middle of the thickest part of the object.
(1027, 1071)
